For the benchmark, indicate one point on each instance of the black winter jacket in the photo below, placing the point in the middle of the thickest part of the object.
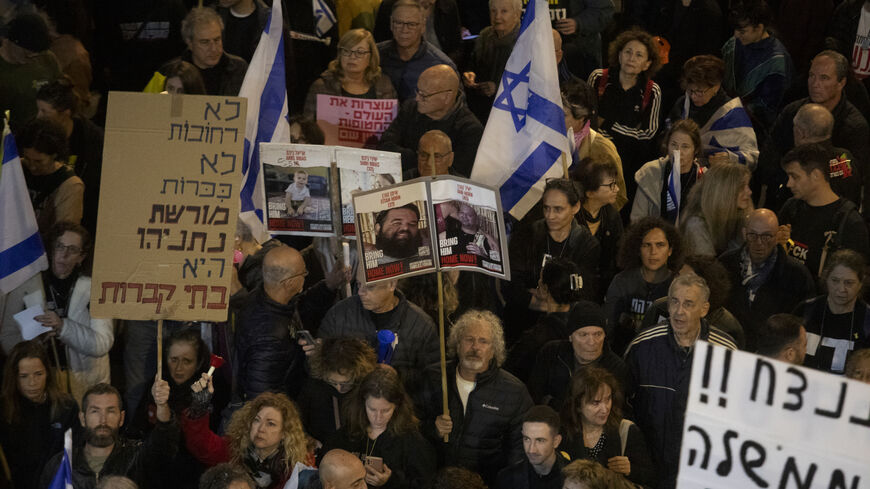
(643, 470)
(520, 475)
(550, 380)
(487, 435)
(142, 462)
(789, 283)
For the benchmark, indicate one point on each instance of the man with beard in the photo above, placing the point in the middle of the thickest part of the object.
(486, 403)
(397, 233)
(105, 453)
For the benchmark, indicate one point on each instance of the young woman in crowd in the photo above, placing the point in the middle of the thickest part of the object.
(595, 430)
(838, 316)
(35, 413)
(557, 235)
(628, 100)
(265, 436)
(382, 428)
(599, 183)
(716, 210)
(183, 78)
(654, 196)
(356, 72)
(716, 276)
(337, 366)
(66, 291)
(650, 252)
(557, 290)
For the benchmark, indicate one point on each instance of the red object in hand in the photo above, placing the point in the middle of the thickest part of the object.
(215, 362)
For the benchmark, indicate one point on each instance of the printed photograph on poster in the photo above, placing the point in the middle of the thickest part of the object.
(361, 170)
(467, 224)
(393, 231)
(296, 183)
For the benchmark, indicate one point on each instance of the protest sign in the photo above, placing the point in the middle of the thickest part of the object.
(467, 220)
(396, 238)
(169, 200)
(296, 183)
(362, 169)
(354, 122)
(754, 422)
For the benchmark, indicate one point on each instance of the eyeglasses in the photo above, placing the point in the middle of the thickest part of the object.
(426, 96)
(698, 92)
(613, 186)
(438, 156)
(347, 53)
(61, 249)
(765, 238)
(303, 274)
(399, 25)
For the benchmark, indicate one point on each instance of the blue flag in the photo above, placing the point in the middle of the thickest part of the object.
(63, 477)
(265, 88)
(525, 138)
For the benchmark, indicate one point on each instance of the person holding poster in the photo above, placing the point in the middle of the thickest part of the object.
(356, 72)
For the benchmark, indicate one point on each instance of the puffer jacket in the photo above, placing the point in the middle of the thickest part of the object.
(487, 434)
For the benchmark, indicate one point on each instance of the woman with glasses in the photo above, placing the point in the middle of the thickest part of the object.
(656, 189)
(64, 291)
(356, 72)
(381, 427)
(726, 132)
(337, 365)
(716, 210)
(599, 183)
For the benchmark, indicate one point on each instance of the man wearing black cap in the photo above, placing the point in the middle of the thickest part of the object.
(25, 66)
(585, 346)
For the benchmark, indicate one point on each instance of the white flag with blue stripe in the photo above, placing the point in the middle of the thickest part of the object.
(63, 477)
(324, 19)
(22, 254)
(266, 90)
(525, 136)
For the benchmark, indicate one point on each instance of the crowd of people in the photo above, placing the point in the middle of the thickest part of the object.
(715, 191)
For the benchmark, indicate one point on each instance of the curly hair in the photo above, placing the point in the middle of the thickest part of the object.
(629, 250)
(350, 39)
(12, 397)
(345, 356)
(382, 383)
(60, 94)
(715, 274)
(634, 34)
(592, 475)
(294, 446)
(714, 199)
(470, 318)
(586, 383)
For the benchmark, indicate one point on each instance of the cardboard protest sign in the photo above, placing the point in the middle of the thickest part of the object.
(396, 237)
(467, 220)
(362, 169)
(296, 183)
(354, 122)
(169, 200)
(753, 422)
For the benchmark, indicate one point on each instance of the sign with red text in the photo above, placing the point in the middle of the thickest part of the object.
(354, 122)
(363, 169)
(427, 224)
(297, 188)
(754, 422)
(169, 200)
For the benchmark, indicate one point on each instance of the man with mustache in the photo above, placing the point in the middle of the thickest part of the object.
(486, 403)
(105, 453)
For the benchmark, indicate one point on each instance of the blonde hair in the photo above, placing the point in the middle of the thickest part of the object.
(293, 441)
(714, 200)
(350, 39)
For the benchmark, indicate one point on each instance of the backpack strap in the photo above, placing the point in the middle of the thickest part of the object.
(602, 82)
(647, 94)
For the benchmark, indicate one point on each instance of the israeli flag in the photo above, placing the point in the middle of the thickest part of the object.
(264, 87)
(324, 19)
(63, 477)
(524, 140)
(674, 183)
(22, 254)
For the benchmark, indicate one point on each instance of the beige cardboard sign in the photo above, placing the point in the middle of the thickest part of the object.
(169, 200)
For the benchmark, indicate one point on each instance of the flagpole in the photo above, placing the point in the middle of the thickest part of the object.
(159, 348)
(565, 166)
(444, 405)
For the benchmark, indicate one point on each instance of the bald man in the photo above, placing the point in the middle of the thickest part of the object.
(813, 123)
(565, 75)
(342, 470)
(438, 105)
(764, 279)
(268, 357)
(434, 154)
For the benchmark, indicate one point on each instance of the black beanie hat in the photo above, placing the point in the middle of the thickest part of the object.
(586, 313)
(28, 31)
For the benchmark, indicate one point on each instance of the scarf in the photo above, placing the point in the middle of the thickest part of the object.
(754, 276)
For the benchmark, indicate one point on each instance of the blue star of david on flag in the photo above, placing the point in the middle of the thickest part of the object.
(505, 101)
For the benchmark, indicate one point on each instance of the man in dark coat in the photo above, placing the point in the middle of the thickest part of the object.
(542, 467)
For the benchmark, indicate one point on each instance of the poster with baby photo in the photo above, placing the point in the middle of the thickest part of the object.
(470, 226)
(393, 233)
(296, 184)
(361, 169)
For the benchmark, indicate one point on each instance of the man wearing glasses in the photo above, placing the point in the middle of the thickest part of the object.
(437, 106)
(764, 279)
(407, 54)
